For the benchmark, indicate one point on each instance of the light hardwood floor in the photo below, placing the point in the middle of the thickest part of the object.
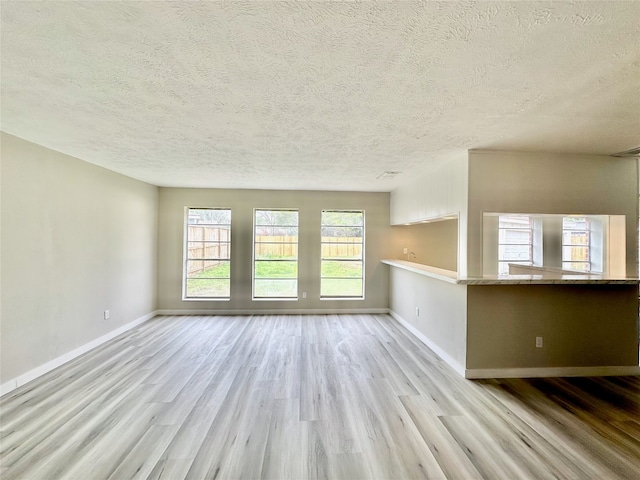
(306, 397)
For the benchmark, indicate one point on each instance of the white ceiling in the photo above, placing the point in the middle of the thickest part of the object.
(316, 95)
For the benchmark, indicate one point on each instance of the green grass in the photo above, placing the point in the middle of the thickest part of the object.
(341, 287)
(211, 282)
(271, 288)
(218, 271)
(332, 268)
(208, 287)
(285, 269)
(277, 279)
(341, 279)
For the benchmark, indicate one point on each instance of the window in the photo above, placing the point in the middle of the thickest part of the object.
(515, 234)
(207, 253)
(342, 262)
(576, 240)
(275, 254)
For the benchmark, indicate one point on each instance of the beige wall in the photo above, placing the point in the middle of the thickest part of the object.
(546, 183)
(434, 243)
(76, 239)
(242, 202)
(581, 326)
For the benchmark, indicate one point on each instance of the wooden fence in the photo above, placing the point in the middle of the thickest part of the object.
(287, 247)
(207, 241)
(274, 246)
(353, 249)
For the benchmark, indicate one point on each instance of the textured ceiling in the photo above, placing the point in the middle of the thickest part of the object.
(315, 95)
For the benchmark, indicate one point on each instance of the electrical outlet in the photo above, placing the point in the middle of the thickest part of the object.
(304, 294)
(405, 250)
(417, 312)
(107, 314)
(539, 342)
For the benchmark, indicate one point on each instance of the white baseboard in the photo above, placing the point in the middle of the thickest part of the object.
(275, 311)
(536, 372)
(448, 359)
(608, 371)
(56, 362)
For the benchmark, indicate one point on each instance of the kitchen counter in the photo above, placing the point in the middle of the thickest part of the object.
(564, 279)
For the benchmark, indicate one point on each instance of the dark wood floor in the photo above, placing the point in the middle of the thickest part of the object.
(305, 397)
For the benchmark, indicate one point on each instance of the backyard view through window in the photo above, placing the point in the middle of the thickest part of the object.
(207, 253)
(342, 265)
(575, 244)
(275, 254)
(515, 238)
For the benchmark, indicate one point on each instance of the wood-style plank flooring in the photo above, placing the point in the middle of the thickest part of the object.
(305, 397)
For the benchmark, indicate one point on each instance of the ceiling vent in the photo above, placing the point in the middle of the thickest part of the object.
(634, 152)
(387, 174)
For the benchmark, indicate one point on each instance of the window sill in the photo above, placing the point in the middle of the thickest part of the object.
(274, 299)
(341, 298)
(207, 299)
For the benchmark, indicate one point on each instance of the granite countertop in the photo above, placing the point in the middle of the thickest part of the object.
(450, 276)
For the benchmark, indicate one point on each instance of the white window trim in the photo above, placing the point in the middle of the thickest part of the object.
(590, 244)
(253, 260)
(362, 261)
(185, 255)
(531, 243)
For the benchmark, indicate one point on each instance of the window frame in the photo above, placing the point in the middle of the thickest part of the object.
(361, 260)
(587, 245)
(187, 259)
(530, 229)
(254, 261)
